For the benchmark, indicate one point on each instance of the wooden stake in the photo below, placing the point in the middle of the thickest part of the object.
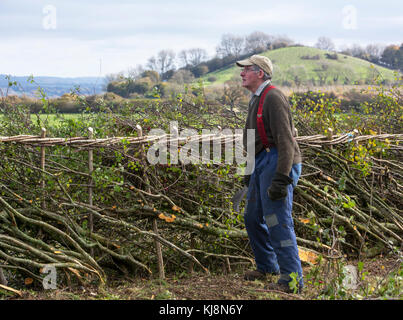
(90, 182)
(43, 155)
(160, 258)
(330, 136)
(192, 246)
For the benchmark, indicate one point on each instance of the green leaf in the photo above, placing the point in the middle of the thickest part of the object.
(360, 266)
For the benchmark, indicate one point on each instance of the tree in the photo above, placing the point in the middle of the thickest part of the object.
(192, 57)
(214, 64)
(233, 93)
(347, 73)
(118, 87)
(325, 43)
(183, 58)
(257, 42)
(135, 72)
(230, 45)
(112, 77)
(393, 56)
(140, 86)
(199, 70)
(163, 62)
(374, 51)
(297, 73)
(280, 41)
(323, 73)
(357, 51)
(182, 76)
(152, 75)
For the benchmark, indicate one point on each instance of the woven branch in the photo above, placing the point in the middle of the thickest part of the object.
(83, 142)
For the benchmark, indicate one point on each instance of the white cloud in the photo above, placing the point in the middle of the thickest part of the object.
(388, 22)
(276, 15)
(71, 57)
(126, 33)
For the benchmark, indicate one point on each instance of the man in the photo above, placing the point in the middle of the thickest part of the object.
(268, 219)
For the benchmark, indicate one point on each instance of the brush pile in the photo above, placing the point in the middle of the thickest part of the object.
(95, 207)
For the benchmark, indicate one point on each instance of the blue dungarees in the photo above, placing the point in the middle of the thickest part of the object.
(269, 224)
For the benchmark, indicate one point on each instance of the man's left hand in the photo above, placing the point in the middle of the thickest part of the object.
(278, 188)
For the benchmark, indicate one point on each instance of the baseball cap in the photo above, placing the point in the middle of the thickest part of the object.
(261, 61)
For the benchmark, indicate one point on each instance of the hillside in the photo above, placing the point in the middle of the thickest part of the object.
(305, 65)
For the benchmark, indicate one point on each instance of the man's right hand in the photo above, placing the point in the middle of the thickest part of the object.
(278, 188)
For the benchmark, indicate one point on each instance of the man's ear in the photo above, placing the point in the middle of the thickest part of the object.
(260, 74)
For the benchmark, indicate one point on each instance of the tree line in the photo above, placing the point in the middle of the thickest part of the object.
(185, 66)
(188, 64)
(390, 56)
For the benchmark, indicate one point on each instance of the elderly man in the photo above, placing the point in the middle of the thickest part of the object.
(276, 172)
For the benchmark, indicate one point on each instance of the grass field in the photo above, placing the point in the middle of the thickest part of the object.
(55, 118)
(289, 65)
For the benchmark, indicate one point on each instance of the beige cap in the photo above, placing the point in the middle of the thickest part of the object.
(261, 61)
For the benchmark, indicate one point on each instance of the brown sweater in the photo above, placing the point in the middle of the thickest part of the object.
(279, 128)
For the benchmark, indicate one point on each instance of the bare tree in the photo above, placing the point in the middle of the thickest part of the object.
(357, 51)
(325, 43)
(230, 45)
(257, 41)
(233, 93)
(192, 57)
(197, 56)
(112, 77)
(163, 62)
(280, 41)
(135, 72)
(374, 51)
(183, 57)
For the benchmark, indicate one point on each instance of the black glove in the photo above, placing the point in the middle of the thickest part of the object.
(246, 180)
(278, 188)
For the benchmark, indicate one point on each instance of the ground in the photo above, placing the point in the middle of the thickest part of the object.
(375, 274)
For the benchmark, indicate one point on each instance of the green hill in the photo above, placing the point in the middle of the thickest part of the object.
(305, 65)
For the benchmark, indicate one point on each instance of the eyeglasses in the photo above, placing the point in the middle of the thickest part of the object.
(249, 68)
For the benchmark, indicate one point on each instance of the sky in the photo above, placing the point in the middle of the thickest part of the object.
(69, 38)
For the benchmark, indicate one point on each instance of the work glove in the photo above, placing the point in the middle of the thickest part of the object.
(278, 188)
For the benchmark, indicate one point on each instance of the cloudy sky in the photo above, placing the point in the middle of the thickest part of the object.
(96, 37)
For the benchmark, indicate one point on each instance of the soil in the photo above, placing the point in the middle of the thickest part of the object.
(200, 286)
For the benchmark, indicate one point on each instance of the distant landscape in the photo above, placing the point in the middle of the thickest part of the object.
(166, 74)
(294, 66)
(53, 86)
(297, 69)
